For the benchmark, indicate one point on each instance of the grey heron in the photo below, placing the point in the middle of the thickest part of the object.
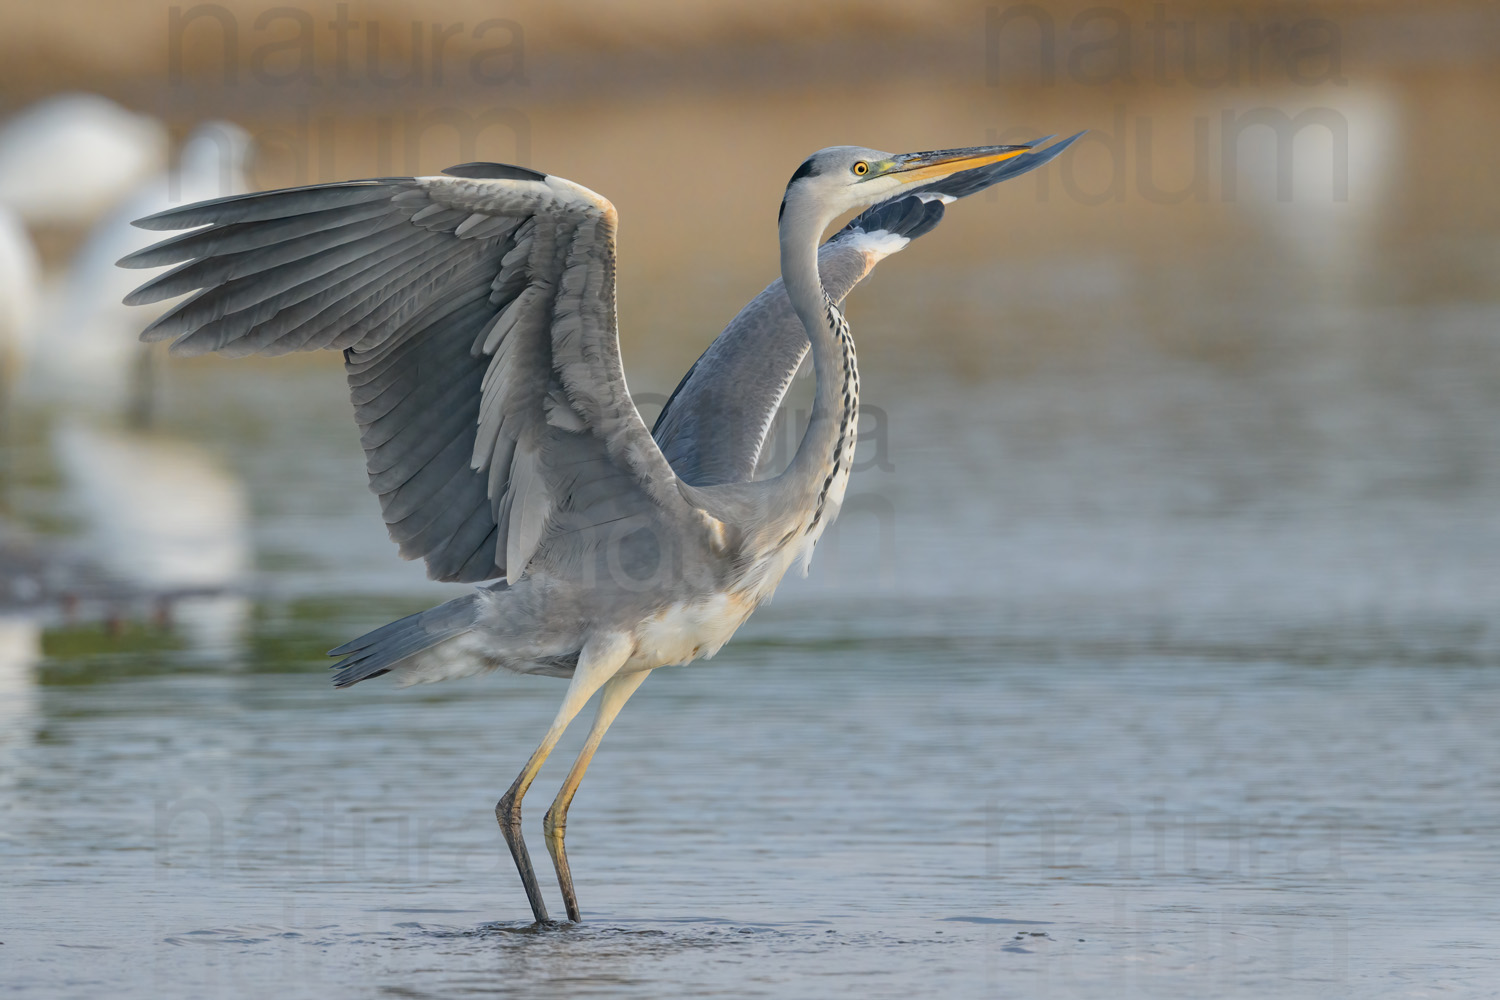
(476, 313)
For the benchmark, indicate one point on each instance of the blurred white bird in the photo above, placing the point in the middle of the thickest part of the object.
(68, 159)
(20, 284)
(1314, 172)
(161, 515)
(87, 352)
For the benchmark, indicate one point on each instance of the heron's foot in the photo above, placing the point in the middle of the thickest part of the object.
(548, 926)
(554, 827)
(518, 927)
(508, 813)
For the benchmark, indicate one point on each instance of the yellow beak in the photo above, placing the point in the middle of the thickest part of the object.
(915, 167)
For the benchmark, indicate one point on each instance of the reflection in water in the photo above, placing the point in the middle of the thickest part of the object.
(162, 516)
(20, 649)
(20, 709)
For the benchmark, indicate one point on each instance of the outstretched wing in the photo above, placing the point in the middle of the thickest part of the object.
(476, 313)
(715, 423)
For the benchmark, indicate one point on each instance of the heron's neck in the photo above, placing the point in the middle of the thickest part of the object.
(821, 466)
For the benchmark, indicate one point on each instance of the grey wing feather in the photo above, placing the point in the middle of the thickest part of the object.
(476, 317)
(714, 424)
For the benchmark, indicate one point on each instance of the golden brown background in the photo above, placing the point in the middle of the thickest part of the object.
(690, 116)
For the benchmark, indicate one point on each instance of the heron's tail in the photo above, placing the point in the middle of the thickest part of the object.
(399, 644)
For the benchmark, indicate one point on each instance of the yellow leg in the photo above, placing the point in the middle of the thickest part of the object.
(616, 693)
(597, 663)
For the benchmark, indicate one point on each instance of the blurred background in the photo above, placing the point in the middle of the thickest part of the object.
(1176, 454)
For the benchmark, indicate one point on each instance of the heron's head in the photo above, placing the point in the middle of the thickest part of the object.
(840, 179)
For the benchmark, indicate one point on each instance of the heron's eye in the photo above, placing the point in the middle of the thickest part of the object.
(861, 168)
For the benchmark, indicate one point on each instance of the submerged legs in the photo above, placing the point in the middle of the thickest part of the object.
(597, 663)
(616, 693)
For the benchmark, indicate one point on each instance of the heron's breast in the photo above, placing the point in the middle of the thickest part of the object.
(682, 632)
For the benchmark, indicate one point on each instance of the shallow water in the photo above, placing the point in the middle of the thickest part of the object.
(1161, 680)
(864, 814)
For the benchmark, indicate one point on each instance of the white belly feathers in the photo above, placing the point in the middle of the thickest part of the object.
(685, 631)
